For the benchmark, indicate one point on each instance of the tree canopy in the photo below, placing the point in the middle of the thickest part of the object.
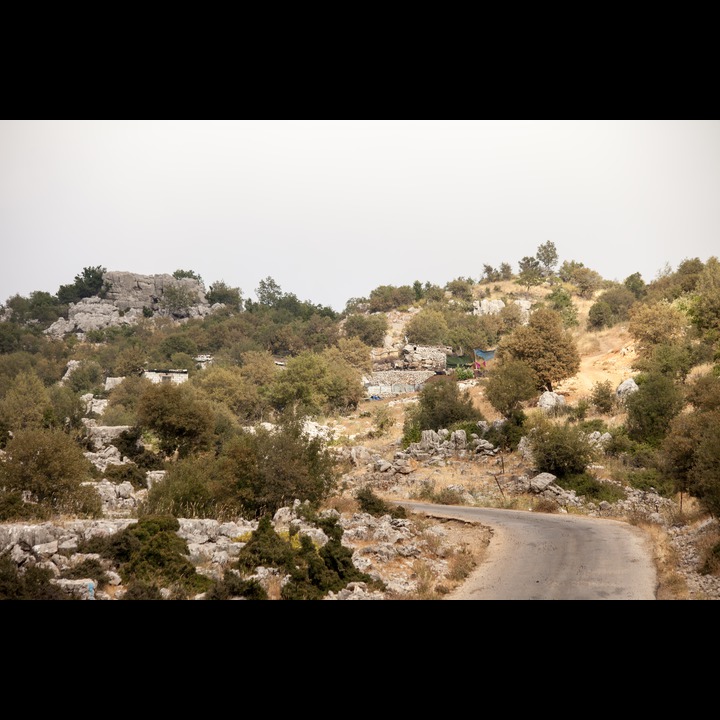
(545, 346)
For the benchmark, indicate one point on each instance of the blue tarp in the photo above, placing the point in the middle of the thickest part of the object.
(484, 354)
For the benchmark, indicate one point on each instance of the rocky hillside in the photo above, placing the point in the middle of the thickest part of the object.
(415, 557)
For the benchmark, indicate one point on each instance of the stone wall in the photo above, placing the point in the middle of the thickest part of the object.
(396, 382)
(422, 357)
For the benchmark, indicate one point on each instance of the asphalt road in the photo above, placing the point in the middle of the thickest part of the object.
(540, 556)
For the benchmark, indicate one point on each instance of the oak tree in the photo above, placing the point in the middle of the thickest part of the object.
(545, 345)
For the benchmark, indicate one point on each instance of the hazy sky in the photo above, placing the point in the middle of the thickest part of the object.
(333, 209)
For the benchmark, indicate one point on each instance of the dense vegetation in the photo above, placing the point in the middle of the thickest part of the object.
(280, 360)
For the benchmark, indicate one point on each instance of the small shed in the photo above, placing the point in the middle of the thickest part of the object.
(166, 376)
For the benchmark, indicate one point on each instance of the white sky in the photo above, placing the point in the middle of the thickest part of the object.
(333, 209)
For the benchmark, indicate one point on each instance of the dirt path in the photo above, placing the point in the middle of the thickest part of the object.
(604, 355)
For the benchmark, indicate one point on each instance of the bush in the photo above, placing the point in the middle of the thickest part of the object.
(33, 583)
(507, 435)
(313, 573)
(89, 568)
(128, 472)
(594, 425)
(469, 426)
(545, 505)
(586, 485)
(180, 417)
(264, 548)
(267, 470)
(187, 490)
(13, 508)
(130, 446)
(578, 412)
(233, 586)
(603, 397)
(560, 449)
(651, 408)
(600, 316)
(50, 467)
(511, 383)
(648, 479)
(150, 553)
(382, 421)
(376, 506)
(445, 496)
(464, 374)
(88, 377)
(371, 329)
(440, 405)
(142, 590)
(449, 496)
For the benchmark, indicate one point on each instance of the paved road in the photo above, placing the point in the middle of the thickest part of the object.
(539, 556)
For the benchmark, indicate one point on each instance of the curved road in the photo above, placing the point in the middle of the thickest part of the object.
(540, 556)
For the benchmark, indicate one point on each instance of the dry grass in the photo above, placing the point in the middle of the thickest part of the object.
(671, 584)
(425, 578)
(461, 564)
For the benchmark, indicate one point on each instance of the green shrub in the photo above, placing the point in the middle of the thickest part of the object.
(412, 433)
(469, 426)
(186, 490)
(560, 449)
(376, 506)
(34, 583)
(440, 404)
(142, 590)
(650, 479)
(382, 421)
(313, 573)
(371, 329)
(267, 470)
(88, 568)
(329, 569)
(14, 508)
(128, 472)
(233, 586)
(594, 425)
(129, 445)
(88, 377)
(600, 316)
(163, 558)
(603, 397)
(652, 407)
(150, 552)
(621, 445)
(508, 434)
(592, 489)
(49, 466)
(578, 412)
(265, 548)
(511, 383)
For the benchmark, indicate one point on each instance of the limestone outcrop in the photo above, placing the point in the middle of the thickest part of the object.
(130, 297)
(129, 291)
